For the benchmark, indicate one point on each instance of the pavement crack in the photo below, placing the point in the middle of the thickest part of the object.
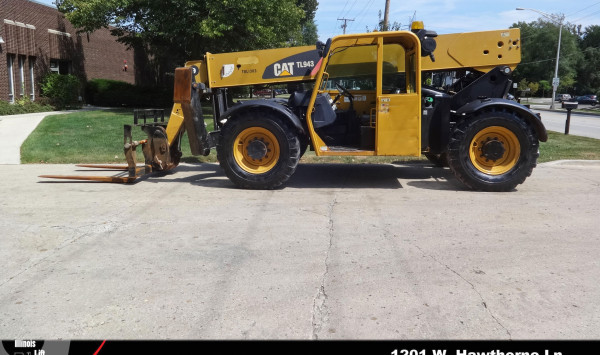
(483, 302)
(320, 312)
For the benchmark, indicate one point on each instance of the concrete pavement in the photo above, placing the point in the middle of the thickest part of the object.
(392, 251)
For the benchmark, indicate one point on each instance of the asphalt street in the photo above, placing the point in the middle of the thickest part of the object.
(387, 251)
(580, 124)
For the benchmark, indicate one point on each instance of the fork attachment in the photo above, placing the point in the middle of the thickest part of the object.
(158, 155)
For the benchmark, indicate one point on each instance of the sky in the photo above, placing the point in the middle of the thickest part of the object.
(449, 16)
(446, 16)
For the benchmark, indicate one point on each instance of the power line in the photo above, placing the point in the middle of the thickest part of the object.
(592, 14)
(364, 14)
(576, 12)
(341, 12)
(350, 9)
(538, 61)
(571, 22)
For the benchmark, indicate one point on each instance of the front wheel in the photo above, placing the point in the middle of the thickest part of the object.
(493, 151)
(258, 151)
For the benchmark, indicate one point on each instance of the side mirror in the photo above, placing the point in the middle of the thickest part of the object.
(323, 48)
(428, 43)
(320, 45)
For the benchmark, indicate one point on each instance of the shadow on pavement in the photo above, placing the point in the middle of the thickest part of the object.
(359, 176)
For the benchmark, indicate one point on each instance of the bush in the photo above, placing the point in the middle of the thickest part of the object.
(23, 105)
(114, 93)
(62, 90)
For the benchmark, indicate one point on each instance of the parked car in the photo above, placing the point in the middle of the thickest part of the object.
(593, 97)
(587, 100)
(262, 92)
(562, 97)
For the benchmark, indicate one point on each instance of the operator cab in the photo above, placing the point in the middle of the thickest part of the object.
(333, 120)
(365, 78)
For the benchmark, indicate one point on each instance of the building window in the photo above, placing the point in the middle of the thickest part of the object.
(60, 66)
(11, 79)
(31, 78)
(21, 75)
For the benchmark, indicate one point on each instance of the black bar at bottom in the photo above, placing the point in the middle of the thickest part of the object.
(305, 347)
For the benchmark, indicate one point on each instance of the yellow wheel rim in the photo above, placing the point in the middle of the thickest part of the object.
(256, 150)
(495, 150)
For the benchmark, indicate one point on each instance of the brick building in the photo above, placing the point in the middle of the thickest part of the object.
(36, 39)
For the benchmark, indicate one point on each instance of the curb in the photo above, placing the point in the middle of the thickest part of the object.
(565, 111)
(595, 163)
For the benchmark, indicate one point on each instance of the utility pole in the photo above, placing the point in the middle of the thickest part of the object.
(559, 20)
(386, 15)
(345, 23)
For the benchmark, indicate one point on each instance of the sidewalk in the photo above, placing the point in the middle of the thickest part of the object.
(14, 129)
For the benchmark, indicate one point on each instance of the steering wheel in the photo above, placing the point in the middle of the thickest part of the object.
(342, 92)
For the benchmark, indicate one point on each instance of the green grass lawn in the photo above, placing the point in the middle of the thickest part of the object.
(560, 146)
(97, 137)
(89, 137)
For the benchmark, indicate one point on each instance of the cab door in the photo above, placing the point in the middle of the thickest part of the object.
(398, 105)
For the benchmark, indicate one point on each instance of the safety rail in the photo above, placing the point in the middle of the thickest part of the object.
(155, 116)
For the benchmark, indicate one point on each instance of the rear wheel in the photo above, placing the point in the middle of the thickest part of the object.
(258, 151)
(493, 151)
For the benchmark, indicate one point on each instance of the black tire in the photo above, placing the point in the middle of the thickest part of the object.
(515, 157)
(237, 167)
(439, 160)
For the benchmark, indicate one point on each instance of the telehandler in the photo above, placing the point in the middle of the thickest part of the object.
(355, 95)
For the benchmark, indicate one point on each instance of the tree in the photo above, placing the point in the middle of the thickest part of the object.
(309, 28)
(591, 37)
(528, 88)
(588, 72)
(533, 88)
(545, 86)
(538, 56)
(62, 90)
(309, 33)
(522, 86)
(174, 31)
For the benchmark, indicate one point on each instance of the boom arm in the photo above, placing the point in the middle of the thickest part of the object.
(482, 51)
